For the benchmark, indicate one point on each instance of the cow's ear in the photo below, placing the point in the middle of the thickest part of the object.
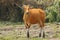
(23, 5)
(31, 7)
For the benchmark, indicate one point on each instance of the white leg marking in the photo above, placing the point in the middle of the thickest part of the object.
(28, 33)
(27, 30)
(42, 30)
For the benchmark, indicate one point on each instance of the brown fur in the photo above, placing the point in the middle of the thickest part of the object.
(34, 16)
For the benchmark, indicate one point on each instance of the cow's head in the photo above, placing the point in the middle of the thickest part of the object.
(25, 8)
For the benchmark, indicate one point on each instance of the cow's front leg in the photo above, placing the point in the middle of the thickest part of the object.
(28, 33)
(27, 27)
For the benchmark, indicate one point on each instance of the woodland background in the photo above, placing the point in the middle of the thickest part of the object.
(9, 11)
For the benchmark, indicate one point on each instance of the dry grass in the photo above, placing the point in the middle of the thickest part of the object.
(17, 31)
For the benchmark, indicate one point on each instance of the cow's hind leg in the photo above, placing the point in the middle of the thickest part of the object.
(42, 33)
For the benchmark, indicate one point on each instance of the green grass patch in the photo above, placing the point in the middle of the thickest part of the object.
(9, 23)
(56, 36)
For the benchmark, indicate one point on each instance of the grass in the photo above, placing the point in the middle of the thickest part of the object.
(19, 38)
(9, 23)
(14, 36)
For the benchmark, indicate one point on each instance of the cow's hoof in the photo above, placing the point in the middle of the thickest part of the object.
(27, 34)
(43, 34)
(39, 34)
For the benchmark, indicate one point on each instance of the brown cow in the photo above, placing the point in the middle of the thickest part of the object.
(34, 16)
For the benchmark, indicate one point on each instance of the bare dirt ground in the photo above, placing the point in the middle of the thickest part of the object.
(52, 31)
